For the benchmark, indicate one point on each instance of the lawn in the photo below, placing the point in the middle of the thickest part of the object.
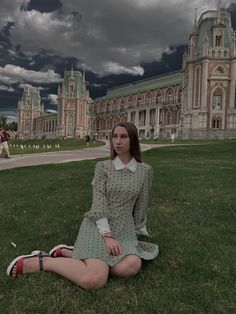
(19, 147)
(191, 217)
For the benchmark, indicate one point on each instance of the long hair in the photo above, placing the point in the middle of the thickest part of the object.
(133, 137)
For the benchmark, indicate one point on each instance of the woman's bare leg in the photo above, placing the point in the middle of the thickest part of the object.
(129, 265)
(89, 273)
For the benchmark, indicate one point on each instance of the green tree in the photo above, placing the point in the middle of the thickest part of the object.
(3, 121)
(12, 126)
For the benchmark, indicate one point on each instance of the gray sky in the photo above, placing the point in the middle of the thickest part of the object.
(104, 37)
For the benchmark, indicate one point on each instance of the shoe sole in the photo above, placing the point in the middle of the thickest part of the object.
(60, 246)
(12, 264)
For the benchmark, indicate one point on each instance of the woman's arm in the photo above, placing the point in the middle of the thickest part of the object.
(141, 204)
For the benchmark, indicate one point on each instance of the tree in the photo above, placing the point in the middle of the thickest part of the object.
(12, 126)
(3, 121)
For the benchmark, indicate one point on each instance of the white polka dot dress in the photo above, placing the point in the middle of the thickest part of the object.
(121, 196)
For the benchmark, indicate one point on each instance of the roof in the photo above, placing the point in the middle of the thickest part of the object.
(142, 86)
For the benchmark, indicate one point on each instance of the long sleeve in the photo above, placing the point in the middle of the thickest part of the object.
(141, 204)
(99, 208)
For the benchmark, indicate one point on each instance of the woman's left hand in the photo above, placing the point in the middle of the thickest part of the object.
(113, 246)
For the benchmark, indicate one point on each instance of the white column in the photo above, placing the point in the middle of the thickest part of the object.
(204, 84)
(137, 119)
(129, 116)
(232, 85)
(190, 88)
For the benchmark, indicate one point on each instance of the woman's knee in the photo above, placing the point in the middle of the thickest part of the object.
(127, 267)
(93, 280)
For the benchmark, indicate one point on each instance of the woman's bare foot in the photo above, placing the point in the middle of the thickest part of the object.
(66, 253)
(27, 264)
(61, 250)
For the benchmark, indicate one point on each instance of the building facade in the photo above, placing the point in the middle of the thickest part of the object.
(71, 119)
(198, 102)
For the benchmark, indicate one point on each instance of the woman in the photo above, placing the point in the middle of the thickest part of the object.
(107, 240)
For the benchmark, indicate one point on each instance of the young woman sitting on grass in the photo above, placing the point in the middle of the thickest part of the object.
(107, 241)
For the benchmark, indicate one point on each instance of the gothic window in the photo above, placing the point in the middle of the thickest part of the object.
(217, 99)
(115, 106)
(219, 71)
(108, 108)
(70, 125)
(217, 102)
(148, 99)
(216, 123)
(169, 118)
(139, 101)
(122, 105)
(158, 97)
(169, 97)
(218, 40)
(130, 102)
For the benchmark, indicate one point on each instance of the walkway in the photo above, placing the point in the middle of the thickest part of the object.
(62, 156)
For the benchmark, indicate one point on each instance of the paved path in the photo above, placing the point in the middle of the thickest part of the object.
(62, 156)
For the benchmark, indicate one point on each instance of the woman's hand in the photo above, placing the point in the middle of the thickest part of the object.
(113, 246)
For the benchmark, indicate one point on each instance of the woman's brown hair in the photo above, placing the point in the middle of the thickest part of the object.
(133, 137)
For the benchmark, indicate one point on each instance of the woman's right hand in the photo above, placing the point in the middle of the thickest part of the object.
(113, 246)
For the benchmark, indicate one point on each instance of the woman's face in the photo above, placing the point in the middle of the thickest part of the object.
(121, 141)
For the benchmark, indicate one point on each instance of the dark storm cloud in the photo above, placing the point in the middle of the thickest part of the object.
(114, 41)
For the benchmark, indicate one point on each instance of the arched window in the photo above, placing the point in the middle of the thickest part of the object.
(219, 70)
(217, 99)
(70, 126)
(122, 105)
(168, 118)
(139, 101)
(169, 97)
(216, 123)
(158, 97)
(130, 102)
(148, 99)
(218, 40)
(108, 108)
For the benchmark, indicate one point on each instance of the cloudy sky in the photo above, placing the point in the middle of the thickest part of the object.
(114, 41)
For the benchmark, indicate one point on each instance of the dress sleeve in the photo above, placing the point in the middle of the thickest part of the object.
(99, 208)
(141, 204)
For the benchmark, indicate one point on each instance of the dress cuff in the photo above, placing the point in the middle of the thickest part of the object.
(103, 226)
(142, 231)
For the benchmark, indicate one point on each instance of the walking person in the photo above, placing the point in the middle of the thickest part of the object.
(87, 138)
(107, 242)
(4, 138)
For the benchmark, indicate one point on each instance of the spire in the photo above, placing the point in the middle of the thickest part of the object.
(195, 22)
(218, 11)
(83, 75)
(229, 14)
(72, 71)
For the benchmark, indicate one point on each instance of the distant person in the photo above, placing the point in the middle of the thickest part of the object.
(4, 138)
(94, 139)
(87, 138)
(172, 137)
(107, 241)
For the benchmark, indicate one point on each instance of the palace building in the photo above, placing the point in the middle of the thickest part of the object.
(197, 102)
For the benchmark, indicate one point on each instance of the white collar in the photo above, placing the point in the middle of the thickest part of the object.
(118, 164)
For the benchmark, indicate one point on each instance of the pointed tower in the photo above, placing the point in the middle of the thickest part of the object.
(209, 72)
(29, 108)
(73, 100)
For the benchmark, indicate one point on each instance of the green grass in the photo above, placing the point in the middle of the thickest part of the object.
(191, 217)
(19, 147)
